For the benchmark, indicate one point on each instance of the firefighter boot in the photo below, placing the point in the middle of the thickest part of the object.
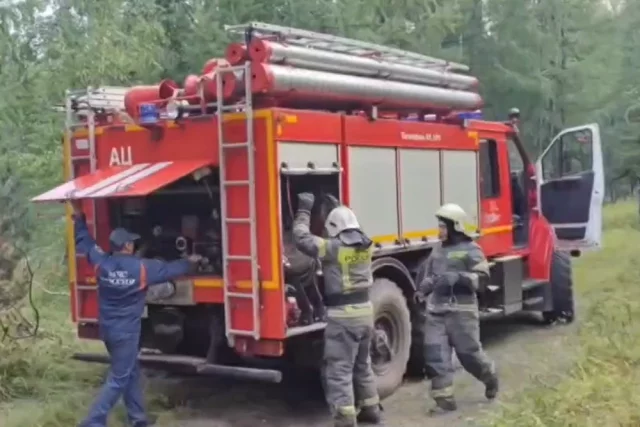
(151, 421)
(344, 421)
(447, 404)
(491, 388)
(370, 415)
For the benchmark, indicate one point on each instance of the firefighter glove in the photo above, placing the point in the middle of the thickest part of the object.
(426, 286)
(447, 279)
(305, 201)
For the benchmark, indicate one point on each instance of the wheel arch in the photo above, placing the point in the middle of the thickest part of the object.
(397, 272)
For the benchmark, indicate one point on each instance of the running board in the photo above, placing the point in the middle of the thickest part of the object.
(529, 284)
(532, 302)
(192, 365)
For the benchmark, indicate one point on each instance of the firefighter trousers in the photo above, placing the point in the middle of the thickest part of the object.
(349, 380)
(459, 331)
(123, 380)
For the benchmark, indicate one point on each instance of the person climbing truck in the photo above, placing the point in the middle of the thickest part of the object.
(449, 279)
(346, 266)
(123, 280)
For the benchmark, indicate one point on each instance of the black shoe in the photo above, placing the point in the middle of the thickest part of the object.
(446, 403)
(491, 388)
(342, 421)
(151, 421)
(370, 415)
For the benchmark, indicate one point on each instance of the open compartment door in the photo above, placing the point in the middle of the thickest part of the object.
(123, 181)
(571, 187)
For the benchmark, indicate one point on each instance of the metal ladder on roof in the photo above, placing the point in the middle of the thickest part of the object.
(230, 292)
(310, 39)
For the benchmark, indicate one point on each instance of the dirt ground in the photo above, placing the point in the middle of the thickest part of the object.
(521, 347)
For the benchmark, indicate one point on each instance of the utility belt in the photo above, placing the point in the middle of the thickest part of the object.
(458, 290)
(453, 300)
(356, 297)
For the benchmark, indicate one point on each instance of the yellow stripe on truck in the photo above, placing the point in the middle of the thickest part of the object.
(433, 233)
(71, 247)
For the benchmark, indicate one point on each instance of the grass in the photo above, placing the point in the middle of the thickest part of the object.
(602, 387)
(41, 387)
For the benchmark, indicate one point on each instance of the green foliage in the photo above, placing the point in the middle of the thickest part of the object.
(601, 388)
(554, 60)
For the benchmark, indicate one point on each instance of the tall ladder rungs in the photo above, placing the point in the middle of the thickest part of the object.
(71, 125)
(238, 220)
(239, 257)
(240, 332)
(236, 145)
(231, 108)
(252, 258)
(239, 295)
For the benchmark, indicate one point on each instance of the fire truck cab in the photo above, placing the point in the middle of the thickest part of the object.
(214, 168)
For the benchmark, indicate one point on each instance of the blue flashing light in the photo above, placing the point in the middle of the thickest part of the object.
(149, 113)
(470, 115)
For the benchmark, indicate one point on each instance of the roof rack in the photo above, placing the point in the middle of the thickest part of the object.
(337, 44)
(108, 99)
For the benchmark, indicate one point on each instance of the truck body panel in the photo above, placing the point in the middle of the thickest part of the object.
(185, 182)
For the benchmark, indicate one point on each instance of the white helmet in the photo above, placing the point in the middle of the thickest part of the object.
(340, 219)
(457, 216)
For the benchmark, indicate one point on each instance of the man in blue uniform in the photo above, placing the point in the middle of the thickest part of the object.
(123, 279)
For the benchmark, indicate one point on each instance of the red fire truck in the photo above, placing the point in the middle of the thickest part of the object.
(213, 168)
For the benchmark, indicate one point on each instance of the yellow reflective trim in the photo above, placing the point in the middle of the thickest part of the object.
(457, 254)
(369, 402)
(443, 392)
(353, 310)
(348, 257)
(347, 410)
(322, 248)
(482, 267)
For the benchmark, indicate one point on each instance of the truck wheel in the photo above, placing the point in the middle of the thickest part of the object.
(561, 290)
(392, 337)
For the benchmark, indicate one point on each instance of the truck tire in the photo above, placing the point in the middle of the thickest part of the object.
(391, 344)
(561, 290)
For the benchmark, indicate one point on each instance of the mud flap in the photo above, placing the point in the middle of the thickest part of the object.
(547, 294)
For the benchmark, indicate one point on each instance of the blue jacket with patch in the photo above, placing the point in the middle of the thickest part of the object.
(123, 281)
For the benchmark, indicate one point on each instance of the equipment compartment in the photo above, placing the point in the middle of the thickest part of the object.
(302, 274)
(181, 219)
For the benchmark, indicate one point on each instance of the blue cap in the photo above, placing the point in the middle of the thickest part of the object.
(120, 237)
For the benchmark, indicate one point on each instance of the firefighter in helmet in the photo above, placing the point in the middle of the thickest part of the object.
(346, 267)
(449, 280)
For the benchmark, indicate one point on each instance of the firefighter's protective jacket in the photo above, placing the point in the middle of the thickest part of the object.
(451, 276)
(123, 281)
(346, 266)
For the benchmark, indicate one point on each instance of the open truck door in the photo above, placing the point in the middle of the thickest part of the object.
(571, 187)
